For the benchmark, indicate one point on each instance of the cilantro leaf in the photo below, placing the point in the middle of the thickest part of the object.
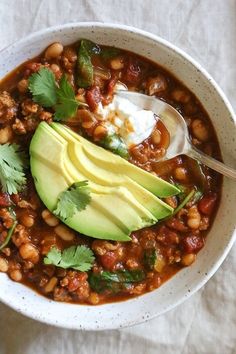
(48, 93)
(12, 163)
(42, 85)
(75, 198)
(77, 257)
(66, 103)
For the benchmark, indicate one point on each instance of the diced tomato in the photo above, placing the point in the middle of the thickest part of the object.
(192, 243)
(108, 260)
(4, 200)
(207, 204)
(74, 283)
(132, 73)
(111, 85)
(166, 236)
(15, 198)
(93, 97)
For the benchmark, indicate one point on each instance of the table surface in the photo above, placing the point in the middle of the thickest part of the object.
(206, 323)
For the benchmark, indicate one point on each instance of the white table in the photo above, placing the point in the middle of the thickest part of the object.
(206, 29)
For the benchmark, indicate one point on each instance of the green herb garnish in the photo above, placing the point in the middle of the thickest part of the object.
(115, 143)
(149, 258)
(12, 163)
(66, 105)
(197, 196)
(115, 281)
(183, 191)
(74, 199)
(48, 93)
(109, 53)
(10, 231)
(76, 257)
(84, 63)
(42, 85)
(9, 235)
(183, 203)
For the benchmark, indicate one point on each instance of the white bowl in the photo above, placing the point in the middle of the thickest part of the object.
(222, 234)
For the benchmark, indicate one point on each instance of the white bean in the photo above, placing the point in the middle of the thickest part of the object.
(54, 50)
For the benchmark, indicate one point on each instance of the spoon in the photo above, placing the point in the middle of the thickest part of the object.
(179, 137)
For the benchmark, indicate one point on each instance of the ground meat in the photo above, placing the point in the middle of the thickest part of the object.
(8, 107)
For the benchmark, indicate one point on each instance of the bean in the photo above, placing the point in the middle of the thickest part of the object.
(99, 132)
(188, 259)
(93, 298)
(5, 135)
(194, 218)
(3, 265)
(64, 233)
(156, 137)
(22, 85)
(117, 63)
(199, 130)
(49, 218)
(180, 173)
(16, 275)
(27, 220)
(29, 252)
(181, 96)
(207, 203)
(54, 50)
(51, 285)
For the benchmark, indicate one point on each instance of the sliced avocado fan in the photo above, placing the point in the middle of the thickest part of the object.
(124, 198)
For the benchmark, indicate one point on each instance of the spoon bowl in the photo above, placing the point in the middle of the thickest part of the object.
(179, 137)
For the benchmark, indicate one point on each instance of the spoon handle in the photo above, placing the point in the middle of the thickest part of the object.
(211, 162)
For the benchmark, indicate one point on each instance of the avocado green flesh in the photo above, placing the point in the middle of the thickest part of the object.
(119, 205)
(154, 184)
(95, 173)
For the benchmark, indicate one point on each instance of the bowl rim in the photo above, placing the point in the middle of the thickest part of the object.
(165, 43)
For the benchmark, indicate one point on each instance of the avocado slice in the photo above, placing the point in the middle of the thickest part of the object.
(119, 205)
(118, 165)
(96, 172)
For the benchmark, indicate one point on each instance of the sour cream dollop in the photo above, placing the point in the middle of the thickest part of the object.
(129, 121)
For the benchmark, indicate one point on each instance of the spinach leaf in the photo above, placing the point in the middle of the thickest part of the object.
(115, 281)
(109, 53)
(84, 63)
(149, 258)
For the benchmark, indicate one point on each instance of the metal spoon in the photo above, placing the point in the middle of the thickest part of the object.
(177, 128)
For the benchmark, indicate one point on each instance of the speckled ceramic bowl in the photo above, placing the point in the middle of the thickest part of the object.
(222, 234)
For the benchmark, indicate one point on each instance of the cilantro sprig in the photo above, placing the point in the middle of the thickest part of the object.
(75, 198)
(12, 163)
(48, 93)
(76, 257)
